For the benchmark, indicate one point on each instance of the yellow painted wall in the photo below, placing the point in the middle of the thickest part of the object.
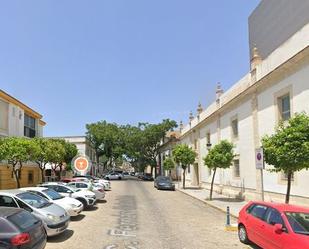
(7, 180)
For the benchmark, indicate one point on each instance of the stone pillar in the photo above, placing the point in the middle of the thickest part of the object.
(257, 144)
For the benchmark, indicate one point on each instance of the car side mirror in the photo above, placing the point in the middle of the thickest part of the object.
(69, 191)
(278, 228)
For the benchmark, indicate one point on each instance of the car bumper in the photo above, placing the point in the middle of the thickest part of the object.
(55, 229)
(75, 211)
(100, 196)
(166, 187)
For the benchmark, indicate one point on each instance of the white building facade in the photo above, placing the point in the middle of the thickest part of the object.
(275, 89)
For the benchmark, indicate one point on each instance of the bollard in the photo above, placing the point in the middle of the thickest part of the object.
(228, 219)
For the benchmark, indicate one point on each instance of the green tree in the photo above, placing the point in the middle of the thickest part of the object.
(16, 150)
(184, 156)
(220, 156)
(151, 136)
(42, 153)
(168, 164)
(288, 149)
(107, 139)
(57, 158)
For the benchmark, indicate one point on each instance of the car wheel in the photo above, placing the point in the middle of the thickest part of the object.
(119, 178)
(242, 234)
(84, 202)
(107, 178)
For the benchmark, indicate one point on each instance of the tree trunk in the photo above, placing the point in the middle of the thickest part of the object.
(42, 174)
(212, 183)
(184, 179)
(97, 161)
(16, 177)
(287, 197)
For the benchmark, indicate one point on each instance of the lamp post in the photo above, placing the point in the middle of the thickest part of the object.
(208, 145)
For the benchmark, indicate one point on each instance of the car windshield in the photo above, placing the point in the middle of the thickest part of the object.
(74, 189)
(299, 222)
(163, 179)
(52, 194)
(33, 200)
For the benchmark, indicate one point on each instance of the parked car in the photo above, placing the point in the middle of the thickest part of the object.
(97, 189)
(20, 229)
(54, 217)
(274, 225)
(114, 176)
(71, 205)
(84, 196)
(164, 182)
(104, 182)
(132, 173)
(147, 177)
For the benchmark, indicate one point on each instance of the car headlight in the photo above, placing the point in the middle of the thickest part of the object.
(73, 206)
(53, 217)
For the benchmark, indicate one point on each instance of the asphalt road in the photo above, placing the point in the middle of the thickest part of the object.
(137, 216)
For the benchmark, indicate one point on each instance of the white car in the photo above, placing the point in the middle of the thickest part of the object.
(105, 183)
(86, 197)
(93, 187)
(71, 205)
(114, 176)
(94, 179)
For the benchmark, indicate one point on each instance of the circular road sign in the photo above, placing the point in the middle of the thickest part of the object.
(81, 164)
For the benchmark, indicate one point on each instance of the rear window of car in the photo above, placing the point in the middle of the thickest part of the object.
(6, 227)
(23, 220)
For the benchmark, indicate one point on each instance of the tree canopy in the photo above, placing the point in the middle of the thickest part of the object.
(16, 151)
(288, 149)
(185, 156)
(136, 144)
(220, 156)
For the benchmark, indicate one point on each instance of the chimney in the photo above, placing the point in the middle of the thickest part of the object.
(180, 126)
(191, 117)
(256, 58)
(219, 92)
(199, 108)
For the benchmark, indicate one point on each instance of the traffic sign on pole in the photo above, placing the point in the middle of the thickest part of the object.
(259, 158)
(81, 164)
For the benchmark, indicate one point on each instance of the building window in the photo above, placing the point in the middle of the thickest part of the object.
(284, 107)
(236, 168)
(234, 125)
(30, 177)
(29, 126)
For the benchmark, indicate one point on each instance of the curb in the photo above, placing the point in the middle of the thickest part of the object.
(207, 203)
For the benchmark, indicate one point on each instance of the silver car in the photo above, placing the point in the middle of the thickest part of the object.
(54, 217)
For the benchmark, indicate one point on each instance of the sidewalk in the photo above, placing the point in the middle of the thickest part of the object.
(219, 201)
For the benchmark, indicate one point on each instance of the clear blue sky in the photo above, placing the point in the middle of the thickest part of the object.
(123, 61)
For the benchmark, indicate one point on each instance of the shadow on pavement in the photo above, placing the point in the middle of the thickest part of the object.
(61, 237)
(253, 246)
(101, 201)
(226, 199)
(90, 209)
(78, 217)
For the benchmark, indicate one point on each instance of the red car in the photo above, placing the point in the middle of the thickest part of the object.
(274, 225)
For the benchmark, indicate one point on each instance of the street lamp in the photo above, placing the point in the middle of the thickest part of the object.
(208, 145)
